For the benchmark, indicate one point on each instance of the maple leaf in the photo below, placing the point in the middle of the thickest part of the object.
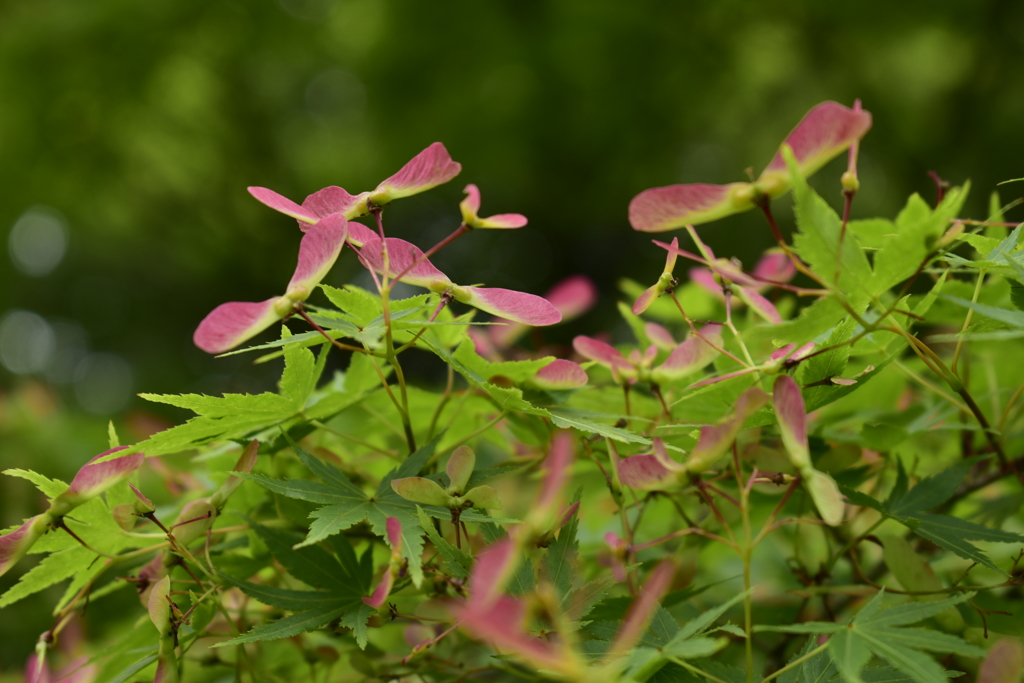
(340, 584)
(879, 632)
(909, 506)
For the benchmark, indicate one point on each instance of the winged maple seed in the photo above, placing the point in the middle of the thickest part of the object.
(471, 205)
(572, 297)
(395, 563)
(685, 359)
(232, 323)
(792, 419)
(826, 130)
(95, 477)
(428, 169)
(459, 469)
(408, 263)
(773, 268)
(658, 471)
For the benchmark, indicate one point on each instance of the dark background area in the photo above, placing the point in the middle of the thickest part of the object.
(129, 131)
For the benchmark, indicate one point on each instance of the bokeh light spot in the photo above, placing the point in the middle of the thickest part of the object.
(27, 342)
(103, 383)
(38, 240)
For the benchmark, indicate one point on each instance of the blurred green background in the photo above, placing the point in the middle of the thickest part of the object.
(130, 130)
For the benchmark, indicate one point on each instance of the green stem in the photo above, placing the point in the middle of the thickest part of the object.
(748, 551)
(851, 543)
(389, 342)
(697, 332)
(353, 439)
(442, 403)
(967, 322)
(694, 670)
(796, 662)
(497, 418)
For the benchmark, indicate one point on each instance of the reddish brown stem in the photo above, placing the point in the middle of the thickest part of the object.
(461, 230)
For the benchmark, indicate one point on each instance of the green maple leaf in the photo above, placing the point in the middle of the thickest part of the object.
(665, 640)
(93, 523)
(340, 584)
(345, 504)
(909, 507)
(457, 561)
(236, 416)
(880, 632)
(818, 238)
(560, 559)
(901, 251)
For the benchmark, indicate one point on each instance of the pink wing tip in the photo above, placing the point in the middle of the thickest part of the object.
(775, 266)
(282, 204)
(318, 251)
(790, 409)
(430, 168)
(596, 350)
(95, 475)
(560, 374)
(825, 131)
(490, 569)
(519, 307)
(394, 533)
(661, 337)
(664, 208)
(334, 199)
(644, 473)
(232, 323)
(644, 301)
(381, 592)
(12, 545)
(472, 201)
(573, 296)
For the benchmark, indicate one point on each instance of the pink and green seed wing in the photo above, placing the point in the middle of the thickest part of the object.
(520, 307)
(642, 609)
(667, 208)
(559, 375)
(96, 477)
(691, 355)
(774, 266)
(335, 199)
(318, 251)
(645, 473)
(715, 440)
(491, 569)
(760, 305)
(232, 323)
(792, 418)
(420, 490)
(824, 132)
(430, 168)
(644, 301)
(359, 234)
(15, 544)
(401, 255)
(660, 336)
(470, 206)
(460, 467)
(283, 205)
(596, 350)
(573, 296)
